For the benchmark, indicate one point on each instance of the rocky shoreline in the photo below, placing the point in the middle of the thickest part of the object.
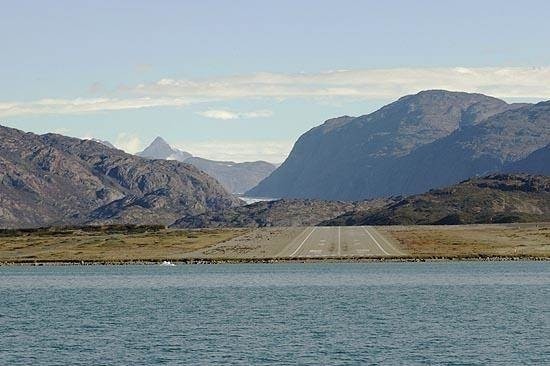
(470, 258)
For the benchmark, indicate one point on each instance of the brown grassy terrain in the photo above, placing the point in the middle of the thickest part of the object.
(150, 244)
(101, 246)
(473, 240)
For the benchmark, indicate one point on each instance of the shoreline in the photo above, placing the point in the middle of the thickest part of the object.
(304, 260)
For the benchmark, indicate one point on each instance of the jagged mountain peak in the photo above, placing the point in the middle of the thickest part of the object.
(160, 149)
(235, 177)
(159, 141)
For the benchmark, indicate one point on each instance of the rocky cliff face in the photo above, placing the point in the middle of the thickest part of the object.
(235, 177)
(419, 142)
(486, 147)
(53, 179)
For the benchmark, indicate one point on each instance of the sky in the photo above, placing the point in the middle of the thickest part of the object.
(242, 80)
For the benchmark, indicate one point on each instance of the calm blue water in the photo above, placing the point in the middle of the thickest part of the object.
(377, 313)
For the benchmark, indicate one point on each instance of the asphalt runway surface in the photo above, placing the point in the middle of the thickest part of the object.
(344, 241)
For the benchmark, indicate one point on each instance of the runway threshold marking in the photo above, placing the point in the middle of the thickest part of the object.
(300, 246)
(375, 241)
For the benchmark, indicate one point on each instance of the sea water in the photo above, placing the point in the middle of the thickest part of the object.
(452, 313)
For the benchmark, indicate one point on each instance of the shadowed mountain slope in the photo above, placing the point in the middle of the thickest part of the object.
(471, 151)
(538, 162)
(356, 158)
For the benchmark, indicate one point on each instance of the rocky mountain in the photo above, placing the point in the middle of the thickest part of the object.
(292, 212)
(471, 151)
(53, 179)
(538, 162)
(159, 149)
(235, 177)
(430, 139)
(499, 198)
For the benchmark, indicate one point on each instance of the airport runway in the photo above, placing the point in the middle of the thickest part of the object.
(344, 241)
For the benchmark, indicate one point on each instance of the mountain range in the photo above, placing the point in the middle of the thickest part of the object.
(496, 198)
(52, 179)
(351, 170)
(235, 177)
(419, 142)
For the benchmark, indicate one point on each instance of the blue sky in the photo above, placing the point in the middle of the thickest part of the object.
(243, 79)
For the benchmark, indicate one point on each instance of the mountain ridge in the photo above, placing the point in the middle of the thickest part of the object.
(160, 149)
(280, 213)
(235, 177)
(49, 179)
(374, 155)
(497, 198)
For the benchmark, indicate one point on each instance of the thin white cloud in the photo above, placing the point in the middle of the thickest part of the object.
(85, 105)
(130, 143)
(512, 82)
(531, 83)
(274, 151)
(227, 115)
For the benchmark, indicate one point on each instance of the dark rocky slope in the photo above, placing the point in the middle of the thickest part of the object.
(292, 212)
(499, 198)
(408, 146)
(538, 162)
(53, 179)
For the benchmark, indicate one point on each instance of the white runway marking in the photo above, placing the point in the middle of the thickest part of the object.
(375, 241)
(390, 244)
(300, 246)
